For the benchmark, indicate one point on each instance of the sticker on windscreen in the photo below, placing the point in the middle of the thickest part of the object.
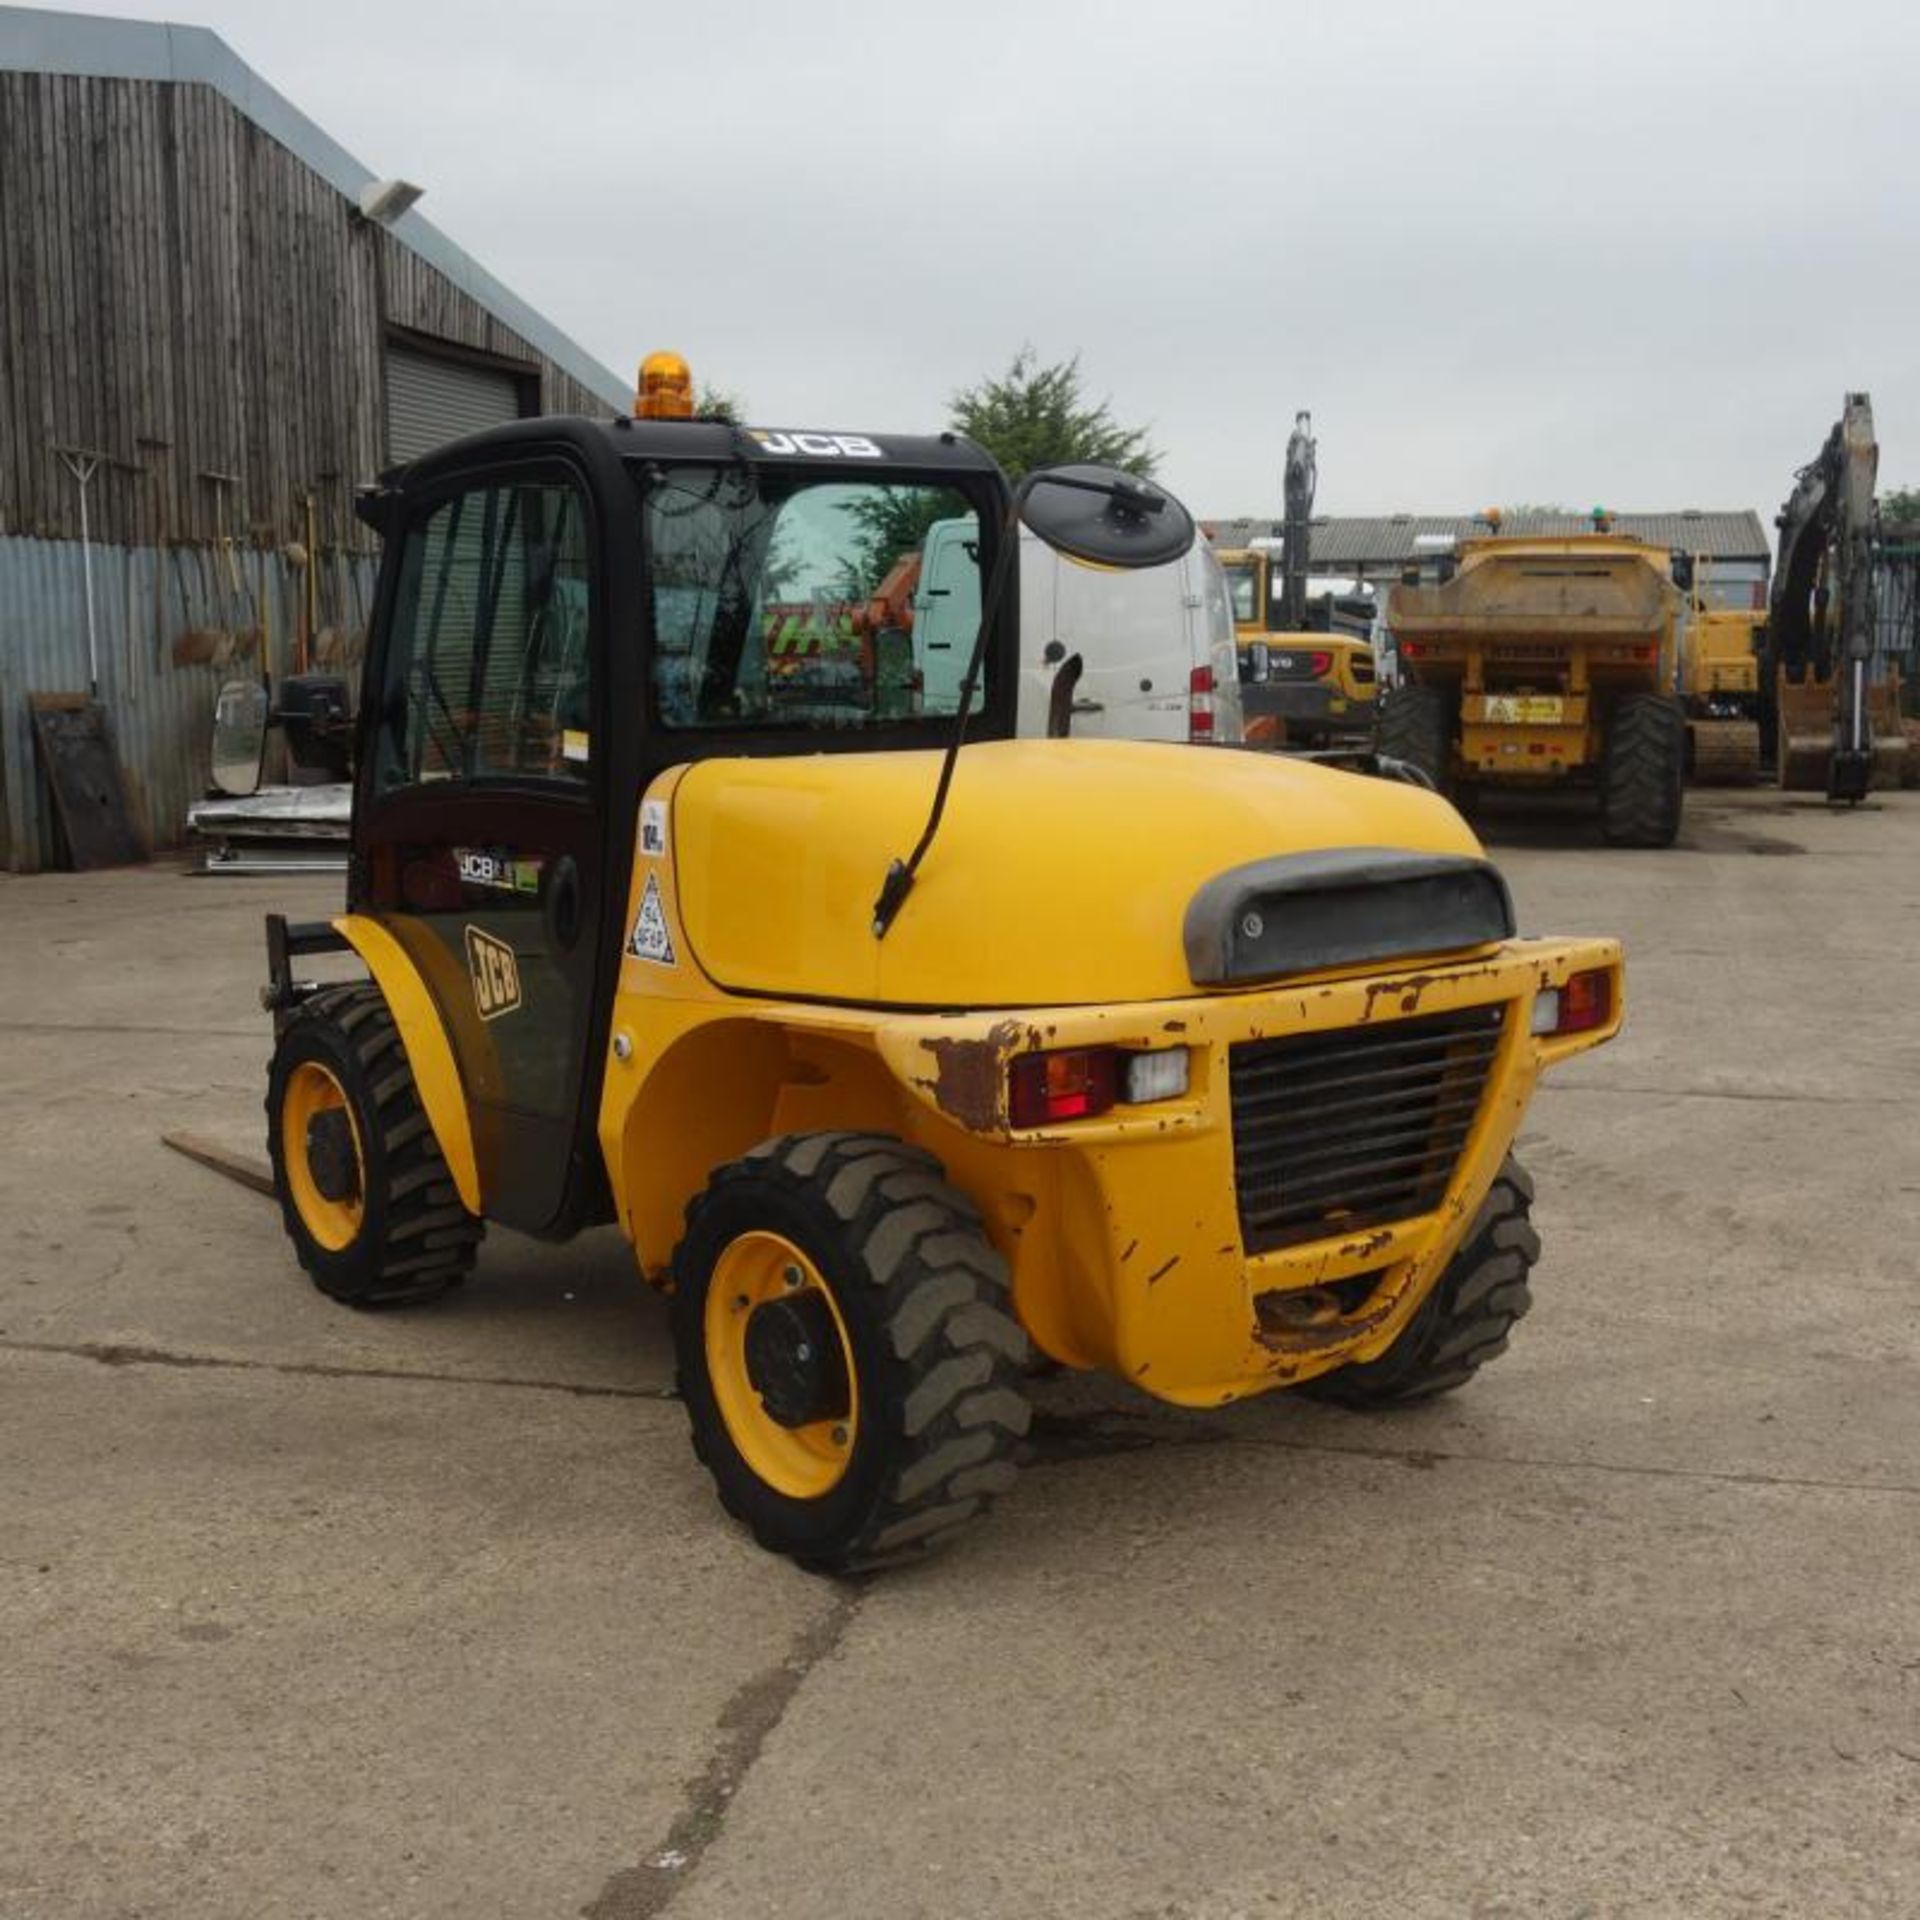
(498, 869)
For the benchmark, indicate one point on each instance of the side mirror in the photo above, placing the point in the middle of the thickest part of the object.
(316, 714)
(240, 715)
(1103, 517)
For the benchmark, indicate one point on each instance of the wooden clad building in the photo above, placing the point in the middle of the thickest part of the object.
(198, 320)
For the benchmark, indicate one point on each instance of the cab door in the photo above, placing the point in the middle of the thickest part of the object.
(480, 845)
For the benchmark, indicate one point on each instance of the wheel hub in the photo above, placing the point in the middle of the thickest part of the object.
(795, 1362)
(331, 1156)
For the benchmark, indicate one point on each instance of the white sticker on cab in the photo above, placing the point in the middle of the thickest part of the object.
(650, 939)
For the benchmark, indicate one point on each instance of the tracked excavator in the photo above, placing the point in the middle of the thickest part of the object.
(1304, 680)
(1836, 729)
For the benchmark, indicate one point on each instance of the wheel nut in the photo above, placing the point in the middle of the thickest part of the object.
(792, 1276)
(839, 1436)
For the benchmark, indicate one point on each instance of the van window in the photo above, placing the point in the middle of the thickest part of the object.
(787, 599)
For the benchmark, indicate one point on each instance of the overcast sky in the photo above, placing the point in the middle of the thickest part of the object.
(1619, 253)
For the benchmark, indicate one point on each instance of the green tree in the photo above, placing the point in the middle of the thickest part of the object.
(716, 403)
(1901, 504)
(891, 522)
(1035, 416)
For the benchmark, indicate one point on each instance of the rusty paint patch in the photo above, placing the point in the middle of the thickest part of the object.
(1173, 1026)
(1360, 1249)
(970, 1077)
(1283, 1336)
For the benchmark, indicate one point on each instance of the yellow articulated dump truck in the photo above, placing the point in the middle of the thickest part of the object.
(1543, 662)
(899, 1049)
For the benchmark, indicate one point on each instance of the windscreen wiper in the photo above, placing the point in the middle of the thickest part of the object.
(1122, 534)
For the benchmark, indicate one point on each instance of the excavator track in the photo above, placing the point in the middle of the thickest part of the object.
(1726, 753)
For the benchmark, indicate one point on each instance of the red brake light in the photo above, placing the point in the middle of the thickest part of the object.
(1200, 704)
(1071, 1083)
(1586, 1001)
(1411, 649)
(1322, 665)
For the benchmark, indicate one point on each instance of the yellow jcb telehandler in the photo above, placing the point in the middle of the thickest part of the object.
(897, 1047)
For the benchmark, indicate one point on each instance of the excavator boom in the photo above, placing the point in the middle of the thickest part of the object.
(1835, 727)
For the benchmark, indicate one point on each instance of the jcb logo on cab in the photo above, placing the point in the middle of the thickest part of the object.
(823, 446)
(496, 974)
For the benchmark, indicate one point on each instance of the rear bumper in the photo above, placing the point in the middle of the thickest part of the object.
(1125, 1233)
(1321, 704)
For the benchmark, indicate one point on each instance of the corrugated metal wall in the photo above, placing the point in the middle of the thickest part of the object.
(161, 713)
(188, 300)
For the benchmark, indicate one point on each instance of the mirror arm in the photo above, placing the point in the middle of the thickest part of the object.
(900, 874)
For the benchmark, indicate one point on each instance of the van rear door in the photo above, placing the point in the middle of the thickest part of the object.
(1130, 630)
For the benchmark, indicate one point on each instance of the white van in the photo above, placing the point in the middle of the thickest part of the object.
(1155, 644)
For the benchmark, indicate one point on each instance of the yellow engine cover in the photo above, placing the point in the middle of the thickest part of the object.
(1060, 876)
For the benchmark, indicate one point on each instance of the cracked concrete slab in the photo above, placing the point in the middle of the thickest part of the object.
(292, 1646)
(311, 1612)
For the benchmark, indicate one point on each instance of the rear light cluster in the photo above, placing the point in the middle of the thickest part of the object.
(1200, 704)
(1078, 1083)
(1322, 664)
(1585, 1002)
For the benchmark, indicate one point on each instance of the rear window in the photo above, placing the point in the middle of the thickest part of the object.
(787, 598)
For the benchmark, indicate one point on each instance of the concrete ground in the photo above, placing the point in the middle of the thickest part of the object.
(310, 1613)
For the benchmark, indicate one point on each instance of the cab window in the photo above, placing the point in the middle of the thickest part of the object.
(784, 599)
(1243, 584)
(489, 662)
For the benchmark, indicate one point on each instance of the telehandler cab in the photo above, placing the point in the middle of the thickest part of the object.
(1195, 1065)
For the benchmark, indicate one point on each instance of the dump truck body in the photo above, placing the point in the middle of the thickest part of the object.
(1542, 662)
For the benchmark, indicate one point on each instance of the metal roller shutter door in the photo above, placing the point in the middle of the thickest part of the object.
(430, 402)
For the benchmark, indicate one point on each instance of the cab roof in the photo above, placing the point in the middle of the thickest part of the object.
(710, 441)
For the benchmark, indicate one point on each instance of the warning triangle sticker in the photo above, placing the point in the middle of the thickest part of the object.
(651, 940)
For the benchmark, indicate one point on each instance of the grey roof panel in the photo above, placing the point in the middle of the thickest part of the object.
(35, 40)
(1390, 540)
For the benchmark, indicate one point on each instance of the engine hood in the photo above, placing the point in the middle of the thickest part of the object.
(1063, 873)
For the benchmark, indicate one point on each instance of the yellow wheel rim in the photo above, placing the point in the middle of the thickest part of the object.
(762, 1270)
(313, 1091)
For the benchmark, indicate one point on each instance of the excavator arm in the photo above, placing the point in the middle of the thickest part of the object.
(1820, 614)
(1301, 478)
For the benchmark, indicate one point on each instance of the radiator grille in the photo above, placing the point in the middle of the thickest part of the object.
(1333, 1132)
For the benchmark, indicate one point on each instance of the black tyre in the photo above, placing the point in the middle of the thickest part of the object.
(364, 1189)
(1415, 724)
(850, 1368)
(1465, 1321)
(1643, 774)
